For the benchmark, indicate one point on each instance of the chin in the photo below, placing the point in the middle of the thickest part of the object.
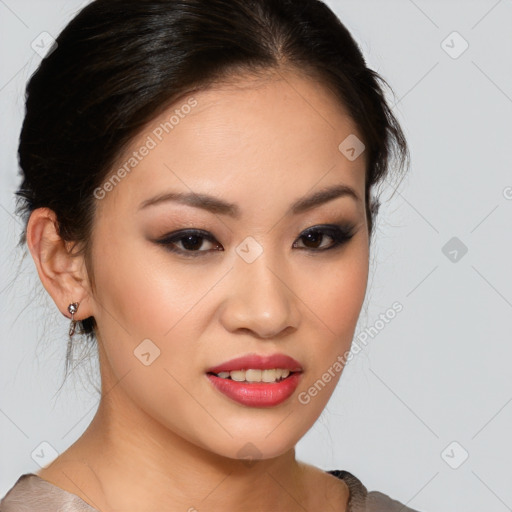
(267, 442)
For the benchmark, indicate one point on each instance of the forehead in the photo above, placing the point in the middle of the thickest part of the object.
(274, 137)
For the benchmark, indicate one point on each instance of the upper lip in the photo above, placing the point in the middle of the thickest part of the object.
(257, 362)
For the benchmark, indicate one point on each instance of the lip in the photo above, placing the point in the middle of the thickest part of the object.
(257, 362)
(257, 394)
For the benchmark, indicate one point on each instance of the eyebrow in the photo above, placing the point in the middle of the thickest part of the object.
(218, 206)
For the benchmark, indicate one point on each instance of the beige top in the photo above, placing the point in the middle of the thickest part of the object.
(31, 493)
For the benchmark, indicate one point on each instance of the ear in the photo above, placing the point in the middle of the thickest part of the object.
(63, 274)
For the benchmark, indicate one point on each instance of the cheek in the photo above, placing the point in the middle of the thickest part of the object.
(150, 313)
(335, 293)
(142, 295)
(153, 311)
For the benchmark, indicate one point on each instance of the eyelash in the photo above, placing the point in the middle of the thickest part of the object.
(339, 233)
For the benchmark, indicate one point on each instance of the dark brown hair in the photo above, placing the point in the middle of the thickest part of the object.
(119, 63)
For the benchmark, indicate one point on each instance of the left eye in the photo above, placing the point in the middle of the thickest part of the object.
(314, 235)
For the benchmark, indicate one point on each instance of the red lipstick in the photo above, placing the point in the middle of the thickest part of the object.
(257, 394)
(257, 362)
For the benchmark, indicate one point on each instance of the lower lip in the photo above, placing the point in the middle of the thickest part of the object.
(257, 394)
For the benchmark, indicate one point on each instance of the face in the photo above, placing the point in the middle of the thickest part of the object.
(183, 286)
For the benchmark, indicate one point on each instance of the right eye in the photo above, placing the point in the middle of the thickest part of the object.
(191, 240)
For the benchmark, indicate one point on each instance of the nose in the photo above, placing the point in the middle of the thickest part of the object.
(261, 300)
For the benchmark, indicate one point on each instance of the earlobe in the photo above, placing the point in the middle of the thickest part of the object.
(61, 272)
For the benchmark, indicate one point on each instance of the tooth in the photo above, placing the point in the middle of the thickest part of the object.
(268, 375)
(253, 375)
(238, 375)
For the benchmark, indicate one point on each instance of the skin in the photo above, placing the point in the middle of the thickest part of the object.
(163, 437)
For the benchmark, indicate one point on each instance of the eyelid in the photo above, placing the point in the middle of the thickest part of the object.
(167, 240)
(340, 233)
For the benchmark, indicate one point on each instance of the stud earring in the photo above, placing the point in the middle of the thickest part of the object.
(72, 308)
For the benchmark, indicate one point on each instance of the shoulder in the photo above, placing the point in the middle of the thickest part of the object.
(363, 501)
(31, 493)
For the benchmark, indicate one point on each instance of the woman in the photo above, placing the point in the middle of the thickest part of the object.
(197, 193)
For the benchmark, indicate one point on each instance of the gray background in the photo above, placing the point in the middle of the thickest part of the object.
(439, 372)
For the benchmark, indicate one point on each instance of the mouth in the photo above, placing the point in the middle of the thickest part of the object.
(257, 381)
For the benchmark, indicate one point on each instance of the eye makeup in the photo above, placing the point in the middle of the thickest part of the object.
(193, 240)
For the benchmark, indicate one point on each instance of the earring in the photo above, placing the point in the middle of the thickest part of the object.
(72, 308)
